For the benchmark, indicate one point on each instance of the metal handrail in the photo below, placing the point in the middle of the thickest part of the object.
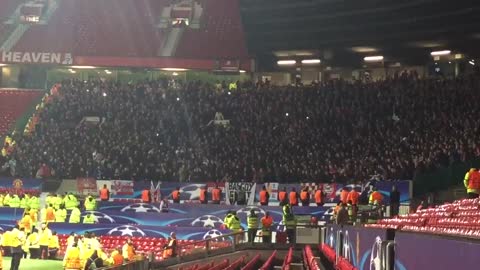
(134, 265)
(233, 235)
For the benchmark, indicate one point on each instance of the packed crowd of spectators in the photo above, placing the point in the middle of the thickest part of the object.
(333, 131)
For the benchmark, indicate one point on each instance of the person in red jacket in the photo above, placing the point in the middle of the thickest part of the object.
(216, 195)
(146, 196)
(264, 196)
(293, 197)
(104, 194)
(305, 197)
(282, 196)
(176, 195)
(319, 197)
(203, 195)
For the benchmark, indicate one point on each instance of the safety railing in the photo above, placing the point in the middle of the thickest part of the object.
(207, 246)
(135, 265)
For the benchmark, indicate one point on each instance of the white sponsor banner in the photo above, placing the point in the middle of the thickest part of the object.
(37, 58)
(117, 187)
(236, 190)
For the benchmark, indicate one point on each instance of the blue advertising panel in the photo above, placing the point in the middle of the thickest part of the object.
(20, 185)
(184, 233)
(8, 213)
(361, 246)
(189, 214)
(422, 251)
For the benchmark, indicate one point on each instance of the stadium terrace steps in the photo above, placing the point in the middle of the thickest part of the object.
(13, 103)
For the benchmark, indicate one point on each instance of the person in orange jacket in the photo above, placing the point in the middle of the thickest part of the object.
(203, 195)
(216, 195)
(305, 197)
(176, 195)
(104, 194)
(264, 196)
(319, 197)
(293, 197)
(282, 196)
(344, 195)
(352, 198)
(146, 196)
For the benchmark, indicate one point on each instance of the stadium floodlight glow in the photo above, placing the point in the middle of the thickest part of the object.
(174, 69)
(286, 62)
(376, 58)
(438, 53)
(83, 67)
(3, 65)
(175, 74)
(72, 71)
(471, 63)
(108, 71)
(311, 61)
(242, 71)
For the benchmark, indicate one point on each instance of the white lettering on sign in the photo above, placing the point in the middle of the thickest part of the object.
(37, 58)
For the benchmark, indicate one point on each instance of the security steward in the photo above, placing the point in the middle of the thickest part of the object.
(344, 195)
(226, 220)
(72, 261)
(282, 196)
(293, 197)
(376, 197)
(104, 194)
(305, 197)
(203, 195)
(252, 224)
(290, 222)
(170, 250)
(472, 183)
(176, 195)
(75, 215)
(146, 196)
(264, 196)
(90, 203)
(235, 226)
(318, 197)
(267, 222)
(216, 195)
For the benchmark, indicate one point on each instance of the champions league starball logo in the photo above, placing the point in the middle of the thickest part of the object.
(99, 217)
(191, 191)
(141, 208)
(209, 221)
(126, 230)
(17, 184)
(211, 234)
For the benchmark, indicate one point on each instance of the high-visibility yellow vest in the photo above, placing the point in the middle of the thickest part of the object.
(75, 215)
(45, 237)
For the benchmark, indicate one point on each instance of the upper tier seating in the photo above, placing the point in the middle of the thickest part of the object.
(220, 34)
(98, 28)
(13, 104)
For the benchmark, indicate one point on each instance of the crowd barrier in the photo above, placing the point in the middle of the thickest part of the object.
(386, 249)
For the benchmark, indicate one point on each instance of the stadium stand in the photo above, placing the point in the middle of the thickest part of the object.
(460, 218)
(358, 130)
(220, 35)
(98, 28)
(13, 103)
(8, 6)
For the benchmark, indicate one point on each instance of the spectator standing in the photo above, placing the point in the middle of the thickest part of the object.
(104, 194)
(264, 196)
(394, 201)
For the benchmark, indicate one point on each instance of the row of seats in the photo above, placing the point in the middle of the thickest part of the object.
(145, 245)
(239, 264)
(460, 218)
(340, 263)
(309, 261)
(288, 260)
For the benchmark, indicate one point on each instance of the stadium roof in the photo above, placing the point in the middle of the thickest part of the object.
(405, 31)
